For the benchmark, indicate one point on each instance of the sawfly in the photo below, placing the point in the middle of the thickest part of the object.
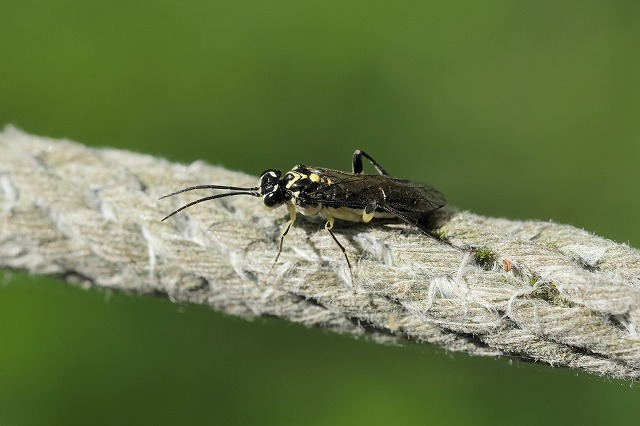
(335, 194)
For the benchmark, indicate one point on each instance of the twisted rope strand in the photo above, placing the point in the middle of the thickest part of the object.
(533, 290)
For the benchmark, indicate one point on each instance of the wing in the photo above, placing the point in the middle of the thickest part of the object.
(357, 191)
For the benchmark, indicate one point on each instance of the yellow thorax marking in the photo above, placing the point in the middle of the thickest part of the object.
(313, 177)
(296, 177)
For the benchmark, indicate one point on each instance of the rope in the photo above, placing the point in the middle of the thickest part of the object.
(532, 290)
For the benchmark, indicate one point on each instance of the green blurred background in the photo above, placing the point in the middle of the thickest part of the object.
(511, 108)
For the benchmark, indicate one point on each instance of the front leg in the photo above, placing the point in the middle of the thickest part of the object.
(292, 218)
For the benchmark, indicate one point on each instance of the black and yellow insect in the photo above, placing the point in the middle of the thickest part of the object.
(334, 194)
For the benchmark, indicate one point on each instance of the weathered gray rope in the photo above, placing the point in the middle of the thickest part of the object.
(535, 290)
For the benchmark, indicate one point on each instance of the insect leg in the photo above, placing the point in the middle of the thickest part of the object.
(292, 218)
(369, 211)
(408, 219)
(357, 163)
(327, 228)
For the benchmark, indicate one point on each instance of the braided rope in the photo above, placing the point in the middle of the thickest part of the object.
(533, 290)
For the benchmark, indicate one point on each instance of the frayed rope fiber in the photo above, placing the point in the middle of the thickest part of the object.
(532, 290)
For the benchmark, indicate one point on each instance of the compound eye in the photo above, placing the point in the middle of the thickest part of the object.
(269, 178)
(272, 199)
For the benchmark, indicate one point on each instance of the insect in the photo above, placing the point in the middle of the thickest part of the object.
(334, 194)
